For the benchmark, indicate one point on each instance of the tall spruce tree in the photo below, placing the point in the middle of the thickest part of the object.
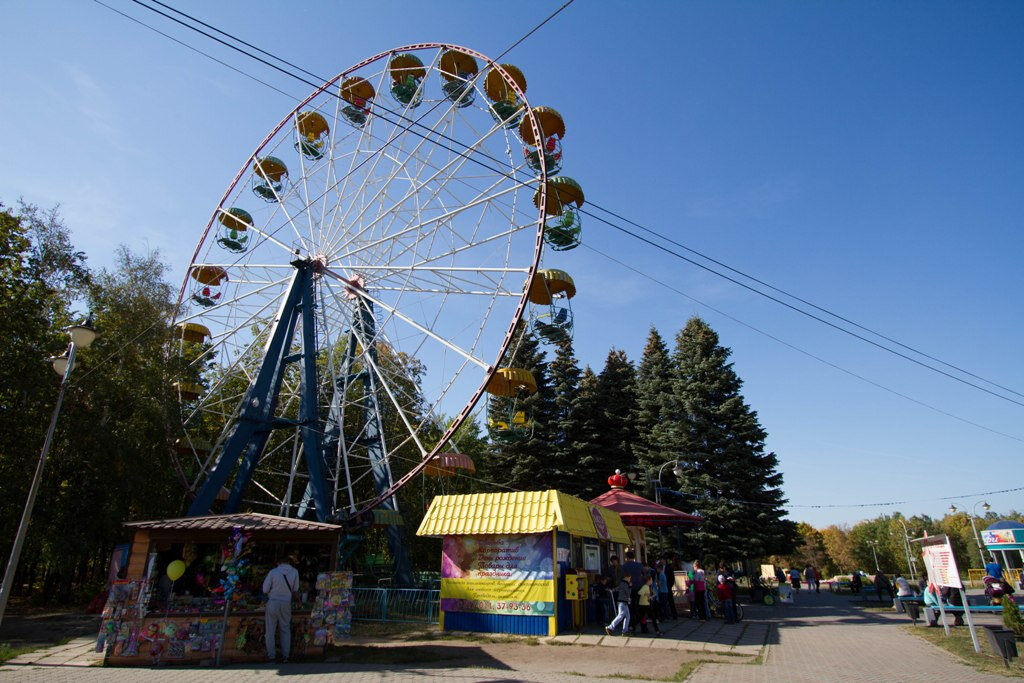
(652, 447)
(734, 483)
(525, 463)
(608, 416)
(563, 473)
(584, 444)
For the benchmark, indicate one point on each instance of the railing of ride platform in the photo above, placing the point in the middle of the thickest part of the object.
(413, 605)
(975, 576)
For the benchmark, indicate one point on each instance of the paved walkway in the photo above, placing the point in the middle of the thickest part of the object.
(820, 638)
(823, 638)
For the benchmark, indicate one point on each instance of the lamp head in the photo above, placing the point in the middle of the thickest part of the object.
(952, 509)
(631, 476)
(985, 506)
(60, 364)
(678, 470)
(83, 335)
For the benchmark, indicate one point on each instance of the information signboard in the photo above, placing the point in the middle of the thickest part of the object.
(940, 562)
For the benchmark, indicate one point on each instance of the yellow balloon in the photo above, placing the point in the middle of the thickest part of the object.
(175, 570)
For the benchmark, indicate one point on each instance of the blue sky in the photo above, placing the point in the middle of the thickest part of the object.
(866, 156)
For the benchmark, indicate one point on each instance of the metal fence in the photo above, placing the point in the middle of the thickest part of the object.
(416, 605)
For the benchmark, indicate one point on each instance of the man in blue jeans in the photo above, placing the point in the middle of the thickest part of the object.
(281, 584)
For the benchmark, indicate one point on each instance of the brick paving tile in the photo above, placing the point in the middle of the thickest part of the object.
(822, 638)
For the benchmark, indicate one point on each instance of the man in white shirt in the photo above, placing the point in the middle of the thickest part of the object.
(281, 584)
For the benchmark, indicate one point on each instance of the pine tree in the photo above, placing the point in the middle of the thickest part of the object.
(563, 472)
(584, 440)
(610, 430)
(652, 415)
(735, 484)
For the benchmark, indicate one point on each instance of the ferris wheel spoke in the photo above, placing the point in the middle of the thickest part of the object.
(386, 385)
(461, 160)
(416, 228)
(409, 321)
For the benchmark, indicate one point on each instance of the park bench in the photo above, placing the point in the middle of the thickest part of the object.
(914, 603)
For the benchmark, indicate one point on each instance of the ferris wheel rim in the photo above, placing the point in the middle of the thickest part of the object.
(511, 173)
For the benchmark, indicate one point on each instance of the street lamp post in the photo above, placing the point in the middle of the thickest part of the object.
(81, 336)
(873, 544)
(676, 470)
(977, 539)
(911, 565)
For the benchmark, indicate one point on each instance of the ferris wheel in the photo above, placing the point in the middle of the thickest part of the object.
(358, 285)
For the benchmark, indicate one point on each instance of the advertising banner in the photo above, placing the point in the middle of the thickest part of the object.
(511, 574)
(1003, 537)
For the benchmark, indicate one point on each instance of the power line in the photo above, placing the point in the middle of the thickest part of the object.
(800, 350)
(622, 218)
(194, 49)
(801, 300)
(378, 105)
(890, 503)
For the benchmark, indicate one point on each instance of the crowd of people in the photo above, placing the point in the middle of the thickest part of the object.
(638, 595)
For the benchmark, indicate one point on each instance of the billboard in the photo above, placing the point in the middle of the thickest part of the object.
(498, 574)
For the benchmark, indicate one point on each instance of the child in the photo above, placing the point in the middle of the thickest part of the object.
(725, 599)
(622, 596)
(648, 612)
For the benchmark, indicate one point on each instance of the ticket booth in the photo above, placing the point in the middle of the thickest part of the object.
(520, 562)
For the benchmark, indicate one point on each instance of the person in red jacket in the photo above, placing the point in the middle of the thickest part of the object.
(725, 596)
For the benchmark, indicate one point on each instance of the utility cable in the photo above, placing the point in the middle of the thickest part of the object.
(839, 328)
(797, 309)
(798, 349)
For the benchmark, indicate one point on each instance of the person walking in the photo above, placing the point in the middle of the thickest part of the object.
(623, 594)
(809, 577)
(817, 580)
(635, 570)
(280, 586)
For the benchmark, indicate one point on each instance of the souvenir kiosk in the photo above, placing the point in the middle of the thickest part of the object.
(519, 562)
(1006, 537)
(190, 591)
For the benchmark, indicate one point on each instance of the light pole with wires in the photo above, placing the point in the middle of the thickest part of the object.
(873, 544)
(81, 336)
(911, 565)
(974, 512)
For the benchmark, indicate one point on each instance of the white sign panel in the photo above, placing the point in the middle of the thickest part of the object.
(940, 563)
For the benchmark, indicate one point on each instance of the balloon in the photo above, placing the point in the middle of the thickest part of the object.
(175, 570)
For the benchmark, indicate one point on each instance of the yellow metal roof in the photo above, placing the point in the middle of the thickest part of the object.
(518, 512)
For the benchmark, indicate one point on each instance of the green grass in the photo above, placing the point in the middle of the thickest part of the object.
(959, 643)
(7, 652)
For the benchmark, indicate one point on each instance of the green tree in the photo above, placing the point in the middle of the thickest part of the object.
(562, 469)
(653, 411)
(839, 548)
(41, 276)
(736, 484)
(616, 400)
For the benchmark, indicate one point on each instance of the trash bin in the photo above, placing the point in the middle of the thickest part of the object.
(1003, 642)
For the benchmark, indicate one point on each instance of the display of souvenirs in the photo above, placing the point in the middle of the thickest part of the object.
(122, 617)
(331, 618)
